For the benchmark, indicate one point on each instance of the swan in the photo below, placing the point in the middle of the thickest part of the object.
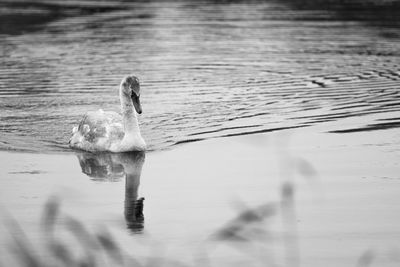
(109, 131)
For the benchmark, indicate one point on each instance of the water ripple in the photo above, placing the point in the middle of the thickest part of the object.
(207, 69)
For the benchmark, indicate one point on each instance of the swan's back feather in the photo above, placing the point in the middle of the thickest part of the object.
(98, 131)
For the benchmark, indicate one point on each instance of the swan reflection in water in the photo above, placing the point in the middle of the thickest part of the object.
(114, 167)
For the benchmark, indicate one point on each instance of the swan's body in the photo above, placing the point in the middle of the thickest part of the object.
(109, 131)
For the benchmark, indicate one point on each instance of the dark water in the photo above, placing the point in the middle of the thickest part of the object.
(208, 69)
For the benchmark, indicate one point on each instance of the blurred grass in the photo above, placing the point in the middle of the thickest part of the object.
(67, 241)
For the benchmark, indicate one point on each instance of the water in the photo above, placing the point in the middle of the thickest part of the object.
(226, 202)
(207, 69)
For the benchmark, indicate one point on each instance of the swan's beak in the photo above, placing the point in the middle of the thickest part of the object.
(136, 103)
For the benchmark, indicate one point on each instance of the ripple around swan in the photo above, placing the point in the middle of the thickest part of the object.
(207, 69)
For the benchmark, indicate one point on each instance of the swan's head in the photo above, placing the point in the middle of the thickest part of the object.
(131, 87)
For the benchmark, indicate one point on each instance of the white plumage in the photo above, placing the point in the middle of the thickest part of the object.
(110, 131)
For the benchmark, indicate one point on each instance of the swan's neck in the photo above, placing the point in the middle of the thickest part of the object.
(131, 124)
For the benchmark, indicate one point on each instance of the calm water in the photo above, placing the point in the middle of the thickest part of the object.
(207, 69)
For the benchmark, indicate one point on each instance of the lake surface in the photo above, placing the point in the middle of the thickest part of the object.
(320, 190)
(290, 198)
(207, 68)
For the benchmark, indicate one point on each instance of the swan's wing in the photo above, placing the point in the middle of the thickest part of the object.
(100, 124)
(97, 131)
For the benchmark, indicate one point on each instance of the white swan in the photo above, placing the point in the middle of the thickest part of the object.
(109, 131)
